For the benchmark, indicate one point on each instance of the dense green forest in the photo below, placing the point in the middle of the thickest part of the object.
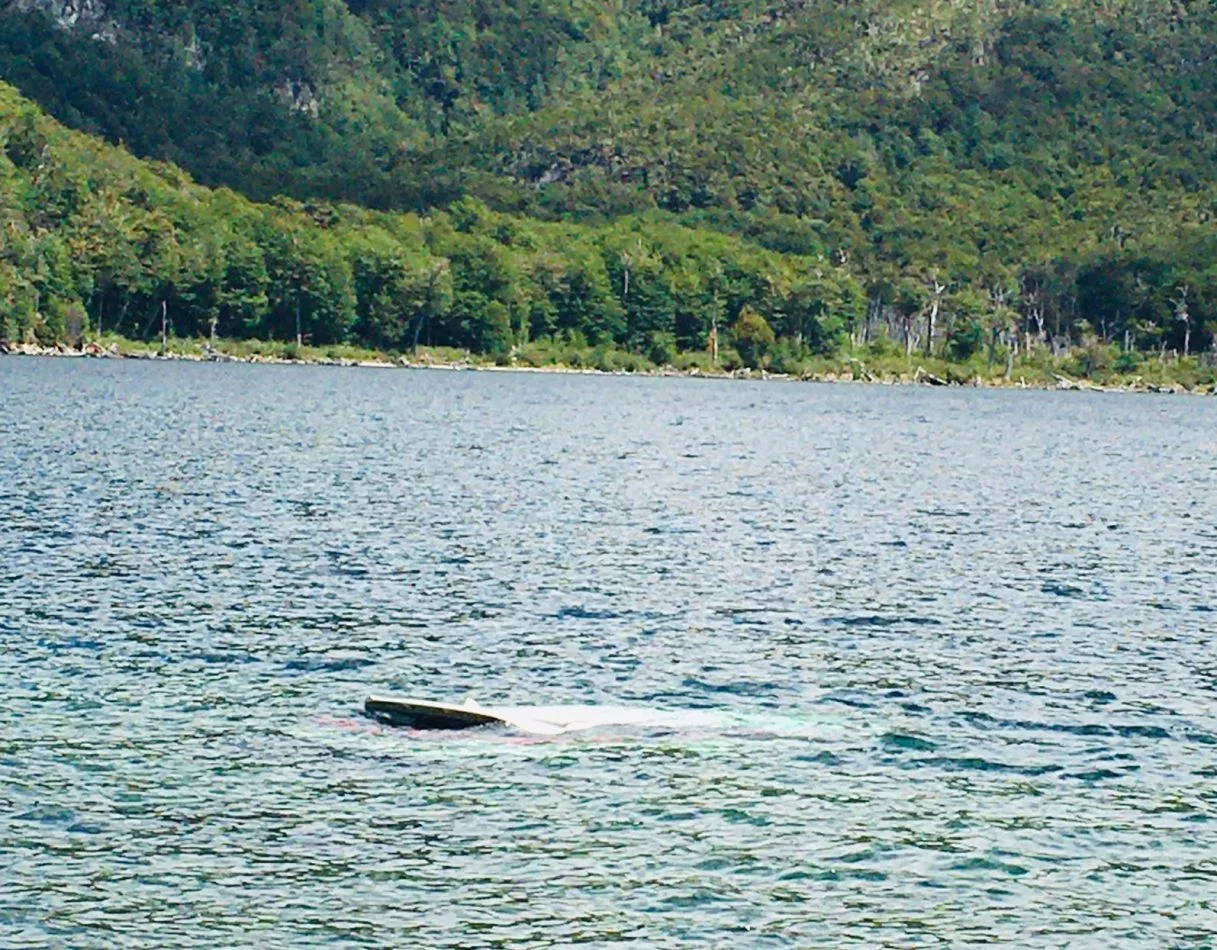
(96, 239)
(979, 180)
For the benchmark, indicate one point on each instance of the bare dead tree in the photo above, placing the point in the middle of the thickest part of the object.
(1033, 309)
(999, 325)
(933, 307)
(874, 313)
(1183, 316)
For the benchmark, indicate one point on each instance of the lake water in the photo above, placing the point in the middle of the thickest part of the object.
(951, 654)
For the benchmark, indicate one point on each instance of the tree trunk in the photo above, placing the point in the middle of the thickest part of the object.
(874, 314)
(164, 326)
(299, 335)
(1037, 314)
(937, 289)
(418, 329)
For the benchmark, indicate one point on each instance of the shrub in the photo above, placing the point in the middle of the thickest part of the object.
(965, 340)
(882, 345)
(663, 349)
(753, 336)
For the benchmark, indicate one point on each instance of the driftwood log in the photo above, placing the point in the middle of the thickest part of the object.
(923, 375)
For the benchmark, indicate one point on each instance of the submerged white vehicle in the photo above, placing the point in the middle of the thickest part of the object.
(538, 720)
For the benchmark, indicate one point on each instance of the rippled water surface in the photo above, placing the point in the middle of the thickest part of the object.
(950, 655)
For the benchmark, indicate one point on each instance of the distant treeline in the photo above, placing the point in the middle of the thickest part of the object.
(92, 240)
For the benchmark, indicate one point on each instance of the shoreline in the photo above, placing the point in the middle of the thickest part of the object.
(920, 377)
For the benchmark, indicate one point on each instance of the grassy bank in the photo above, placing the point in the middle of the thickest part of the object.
(1096, 368)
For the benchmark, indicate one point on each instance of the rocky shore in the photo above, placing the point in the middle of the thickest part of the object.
(858, 374)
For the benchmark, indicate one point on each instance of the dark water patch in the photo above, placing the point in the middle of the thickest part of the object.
(1095, 775)
(747, 620)
(853, 702)
(47, 815)
(739, 611)
(1073, 729)
(982, 864)
(1088, 729)
(740, 816)
(877, 620)
(69, 643)
(86, 828)
(865, 875)
(1141, 732)
(979, 764)
(322, 664)
(823, 757)
(904, 742)
(103, 567)
(585, 613)
(304, 508)
(1063, 590)
(1206, 870)
(733, 688)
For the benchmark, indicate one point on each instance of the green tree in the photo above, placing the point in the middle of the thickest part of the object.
(753, 337)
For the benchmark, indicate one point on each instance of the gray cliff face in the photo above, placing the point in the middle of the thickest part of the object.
(87, 16)
(299, 97)
(92, 18)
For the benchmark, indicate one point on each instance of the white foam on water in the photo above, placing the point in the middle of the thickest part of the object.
(556, 720)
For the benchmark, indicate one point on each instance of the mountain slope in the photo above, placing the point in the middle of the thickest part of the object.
(997, 151)
(94, 240)
(308, 97)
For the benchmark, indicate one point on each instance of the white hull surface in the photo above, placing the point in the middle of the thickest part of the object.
(538, 720)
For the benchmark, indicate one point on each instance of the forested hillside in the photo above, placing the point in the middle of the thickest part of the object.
(95, 239)
(952, 176)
